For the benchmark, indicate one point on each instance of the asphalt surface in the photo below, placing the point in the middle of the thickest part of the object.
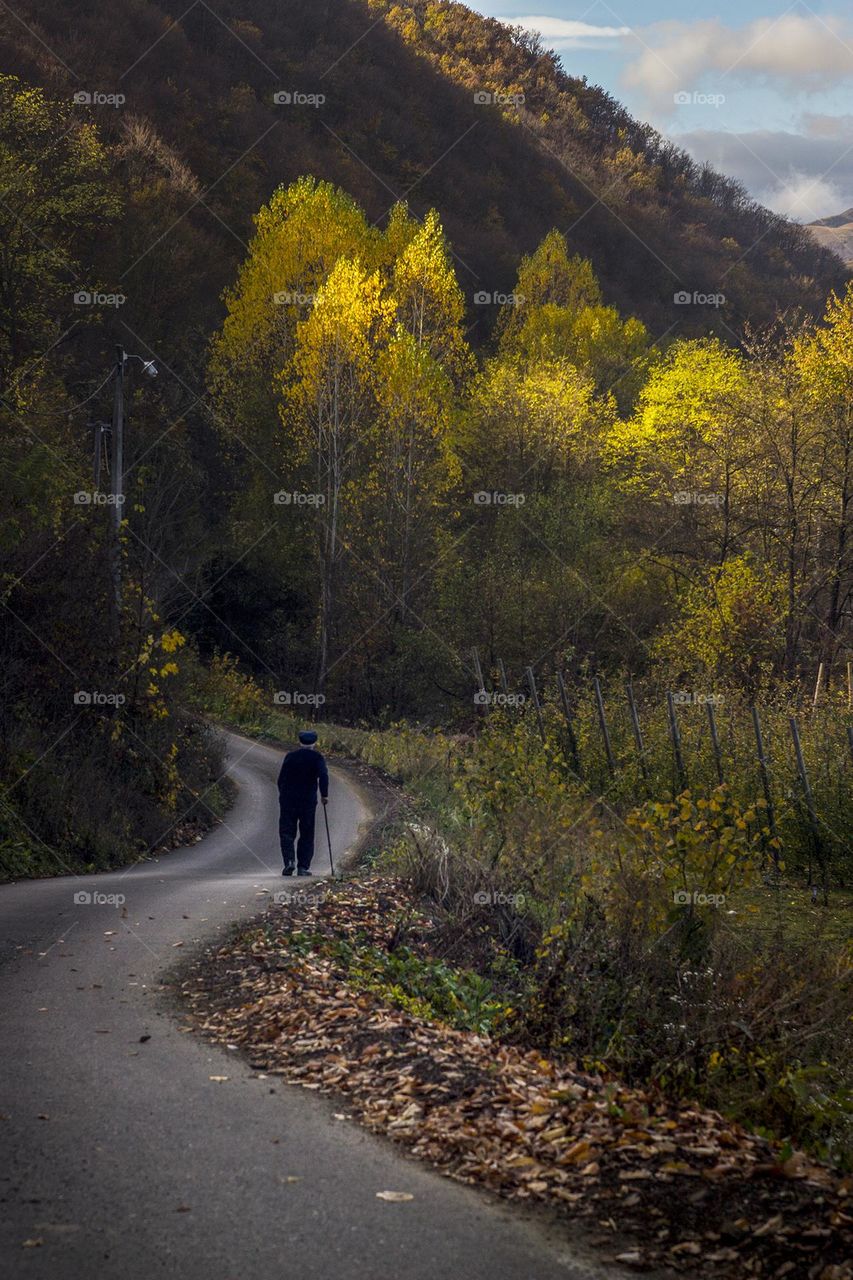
(123, 1158)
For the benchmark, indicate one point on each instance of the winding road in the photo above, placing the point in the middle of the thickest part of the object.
(125, 1156)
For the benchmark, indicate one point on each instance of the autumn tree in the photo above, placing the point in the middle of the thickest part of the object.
(329, 399)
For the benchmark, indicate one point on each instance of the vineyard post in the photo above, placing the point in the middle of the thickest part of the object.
(807, 792)
(818, 685)
(715, 742)
(602, 722)
(567, 712)
(765, 781)
(675, 734)
(531, 680)
(638, 732)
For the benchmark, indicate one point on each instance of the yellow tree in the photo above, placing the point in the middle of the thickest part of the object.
(299, 236)
(413, 465)
(329, 402)
(429, 302)
(823, 359)
(556, 312)
(685, 449)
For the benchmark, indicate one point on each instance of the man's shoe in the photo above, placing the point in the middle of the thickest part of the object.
(303, 871)
(288, 871)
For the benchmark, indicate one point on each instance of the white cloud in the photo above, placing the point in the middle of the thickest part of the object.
(805, 198)
(805, 175)
(798, 51)
(565, 34)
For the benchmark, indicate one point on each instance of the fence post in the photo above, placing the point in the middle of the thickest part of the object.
(567, 712)
(715, 742)
(531, 680)
(478, 671)
(502, 676)
(807, 792)
(638, 732)
(676, 740)
(765, 780)
(818, 685)
(602, 721)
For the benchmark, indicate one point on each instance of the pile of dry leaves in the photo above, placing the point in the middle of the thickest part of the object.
(691, 1190)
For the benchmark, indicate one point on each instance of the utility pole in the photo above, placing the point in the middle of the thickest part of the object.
(117, 478)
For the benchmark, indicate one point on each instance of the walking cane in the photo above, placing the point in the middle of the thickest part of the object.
(329, 840)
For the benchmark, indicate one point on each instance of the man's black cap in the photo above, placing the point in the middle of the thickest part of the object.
(307, 737)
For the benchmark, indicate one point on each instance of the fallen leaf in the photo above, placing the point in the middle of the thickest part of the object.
(394, 1196)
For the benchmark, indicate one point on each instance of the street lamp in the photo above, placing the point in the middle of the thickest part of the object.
(117, 467)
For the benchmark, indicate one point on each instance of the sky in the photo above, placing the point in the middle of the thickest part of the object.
(761, 90)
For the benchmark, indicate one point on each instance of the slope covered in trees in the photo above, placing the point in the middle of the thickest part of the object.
(201, 142)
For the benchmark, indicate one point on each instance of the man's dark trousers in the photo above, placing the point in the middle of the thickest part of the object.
(301, 814)
(303, 774)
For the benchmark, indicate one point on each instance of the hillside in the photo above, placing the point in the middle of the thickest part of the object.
(201, 144)
(836, 233)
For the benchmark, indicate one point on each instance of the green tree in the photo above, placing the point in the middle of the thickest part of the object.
(55, 190)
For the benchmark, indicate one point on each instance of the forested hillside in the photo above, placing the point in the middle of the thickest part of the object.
(199, 141)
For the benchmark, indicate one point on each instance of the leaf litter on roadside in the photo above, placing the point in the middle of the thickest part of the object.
(685, 1187)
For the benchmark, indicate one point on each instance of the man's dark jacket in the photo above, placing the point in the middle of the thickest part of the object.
(301, 771)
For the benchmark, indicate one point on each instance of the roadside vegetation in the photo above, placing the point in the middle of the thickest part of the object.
(654, 936)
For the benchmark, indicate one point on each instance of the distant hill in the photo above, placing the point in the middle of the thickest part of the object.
(420, 98)
(837, 234)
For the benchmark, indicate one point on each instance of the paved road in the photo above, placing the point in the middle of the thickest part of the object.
(126, 1160)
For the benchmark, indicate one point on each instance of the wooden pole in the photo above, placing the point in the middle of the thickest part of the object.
(531, 680)
(850, 739)
(818, 685)
(602, 722)
(117, 483)
(765, 780)
(502, 676)
(478, 670)
(567, 712)
(715, 742)
(807, 792)
(638, 732)
(676, 740)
